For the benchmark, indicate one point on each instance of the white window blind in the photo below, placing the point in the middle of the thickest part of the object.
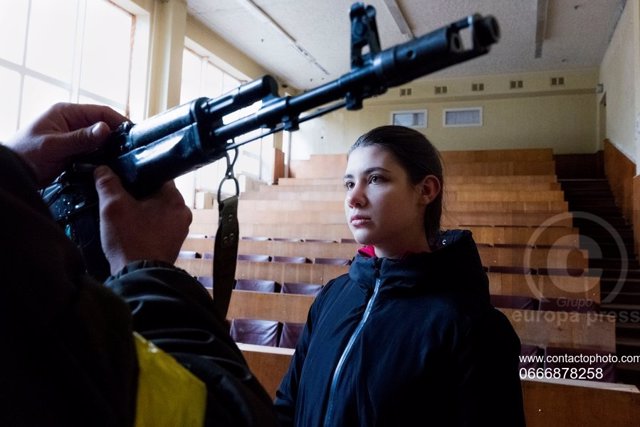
(410, 118)
(460, 117)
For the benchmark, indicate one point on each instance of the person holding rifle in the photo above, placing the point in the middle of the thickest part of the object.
(146, 349)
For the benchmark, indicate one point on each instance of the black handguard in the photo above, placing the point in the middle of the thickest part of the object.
(189, 136)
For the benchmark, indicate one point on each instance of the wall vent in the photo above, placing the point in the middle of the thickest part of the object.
(477, 87)
(405, 91)
(516, 84)
(557, 81)
(439, 90)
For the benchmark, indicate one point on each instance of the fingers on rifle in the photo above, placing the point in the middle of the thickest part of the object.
(107, 183)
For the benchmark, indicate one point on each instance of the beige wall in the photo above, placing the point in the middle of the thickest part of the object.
(538, 115)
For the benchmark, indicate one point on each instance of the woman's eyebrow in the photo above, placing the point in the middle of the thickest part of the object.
(369, 171)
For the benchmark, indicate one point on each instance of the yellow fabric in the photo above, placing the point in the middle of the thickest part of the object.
(168, 394)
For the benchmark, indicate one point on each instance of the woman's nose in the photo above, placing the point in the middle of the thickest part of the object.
(356, 197)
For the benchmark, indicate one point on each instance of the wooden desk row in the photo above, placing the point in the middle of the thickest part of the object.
(533, 285)
(319, 206)
(483, 235)
(520, 195)
(338, 187)
(537, 257)
(278, 271)
(277, 212)
(301, 207)
(321, 166)
(205, 221)
(448, 179)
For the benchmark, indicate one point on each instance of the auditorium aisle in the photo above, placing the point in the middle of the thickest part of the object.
(609, 238)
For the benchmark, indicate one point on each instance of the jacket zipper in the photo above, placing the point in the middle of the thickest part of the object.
(338, 371)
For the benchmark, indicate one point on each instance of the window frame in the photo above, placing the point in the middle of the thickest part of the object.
(424, 111)
(480, 123)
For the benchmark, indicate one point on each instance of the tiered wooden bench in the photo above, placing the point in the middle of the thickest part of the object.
(532, 285)
(482, 234)
(504, 256)
(538, 161)
(332, 212)
(451, 180)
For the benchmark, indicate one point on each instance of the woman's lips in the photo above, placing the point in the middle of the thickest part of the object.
(359, 220)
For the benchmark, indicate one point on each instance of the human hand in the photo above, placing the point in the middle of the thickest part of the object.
(132, 230)
(63, 131)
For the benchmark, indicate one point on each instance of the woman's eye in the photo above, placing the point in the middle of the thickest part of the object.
(348, 185)
(374, 179)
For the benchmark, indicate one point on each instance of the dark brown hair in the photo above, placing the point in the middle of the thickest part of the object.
(418, 157)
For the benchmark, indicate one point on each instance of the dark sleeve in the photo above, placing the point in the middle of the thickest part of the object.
(490, 391)
(171, 309)
(68, 355)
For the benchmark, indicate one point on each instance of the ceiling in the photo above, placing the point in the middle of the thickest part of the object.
(305, 43)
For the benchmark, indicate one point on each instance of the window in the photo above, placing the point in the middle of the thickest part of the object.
(410, 118)
(200, 77)
(461, 117)
(86, 59)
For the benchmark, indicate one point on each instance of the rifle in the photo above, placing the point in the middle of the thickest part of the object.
(189, 136)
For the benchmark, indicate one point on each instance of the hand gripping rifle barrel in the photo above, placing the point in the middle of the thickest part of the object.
(189, 136)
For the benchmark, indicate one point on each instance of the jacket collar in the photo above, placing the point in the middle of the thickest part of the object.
(453, 266)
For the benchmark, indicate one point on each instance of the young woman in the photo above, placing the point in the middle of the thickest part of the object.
(408, 336)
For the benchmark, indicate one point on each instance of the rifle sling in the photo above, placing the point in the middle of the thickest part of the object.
(225, 254)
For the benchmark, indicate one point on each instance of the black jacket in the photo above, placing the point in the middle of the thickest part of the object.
(68, 356)
(406, 342)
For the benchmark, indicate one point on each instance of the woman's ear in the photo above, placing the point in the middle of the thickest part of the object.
(430, 187)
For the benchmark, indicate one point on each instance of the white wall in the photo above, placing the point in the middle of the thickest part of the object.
(619, 75)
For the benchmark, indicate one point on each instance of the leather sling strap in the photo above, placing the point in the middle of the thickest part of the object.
(225, 253)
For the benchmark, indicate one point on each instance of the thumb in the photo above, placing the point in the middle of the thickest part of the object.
(85, 140)
(108, 184)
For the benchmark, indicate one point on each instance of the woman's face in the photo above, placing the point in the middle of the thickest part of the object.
(382, 207)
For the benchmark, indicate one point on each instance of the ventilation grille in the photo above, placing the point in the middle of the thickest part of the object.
(516, 84)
